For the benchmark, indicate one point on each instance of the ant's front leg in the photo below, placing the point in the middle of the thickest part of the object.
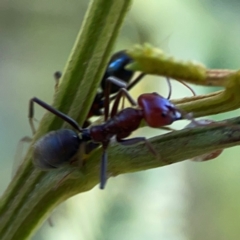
(103, 167)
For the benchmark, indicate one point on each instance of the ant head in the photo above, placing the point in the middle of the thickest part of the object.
(157, 110)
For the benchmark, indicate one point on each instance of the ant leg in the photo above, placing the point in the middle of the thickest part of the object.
(57, 75)
(123, 102)
(128, 87)
(139, 77)
(131, 85)
(109, 81)
(132, 141)
(120, 84)
(122, 93)
(103, 169)
(53, 110)
(135, 81)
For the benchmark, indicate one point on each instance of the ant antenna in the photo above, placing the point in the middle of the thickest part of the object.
(187, 86)
(169, 87)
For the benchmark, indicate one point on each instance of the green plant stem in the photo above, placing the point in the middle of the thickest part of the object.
(172, 148)
(151, 60)
(33, 194)
(21, 213)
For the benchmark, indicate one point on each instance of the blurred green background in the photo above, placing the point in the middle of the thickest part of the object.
(185, 201)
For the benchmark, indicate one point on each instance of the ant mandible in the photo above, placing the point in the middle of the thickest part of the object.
(156, 110)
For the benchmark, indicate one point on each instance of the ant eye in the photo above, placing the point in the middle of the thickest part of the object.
(164, 114)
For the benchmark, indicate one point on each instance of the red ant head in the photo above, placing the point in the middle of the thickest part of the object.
(157, 110)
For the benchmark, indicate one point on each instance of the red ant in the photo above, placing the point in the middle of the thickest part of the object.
(156, 110)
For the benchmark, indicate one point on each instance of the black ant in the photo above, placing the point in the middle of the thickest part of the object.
(116, 68)
(156, 110)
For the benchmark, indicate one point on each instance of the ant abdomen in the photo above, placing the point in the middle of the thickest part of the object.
(116, 68)
(55, 149)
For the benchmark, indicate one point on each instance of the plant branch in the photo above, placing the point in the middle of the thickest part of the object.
(172, 148)
(20, 215)
(33, 194)
(151, 60)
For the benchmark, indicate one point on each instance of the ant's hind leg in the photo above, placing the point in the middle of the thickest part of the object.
(135, 81)
(132, 141)
(103, 170)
